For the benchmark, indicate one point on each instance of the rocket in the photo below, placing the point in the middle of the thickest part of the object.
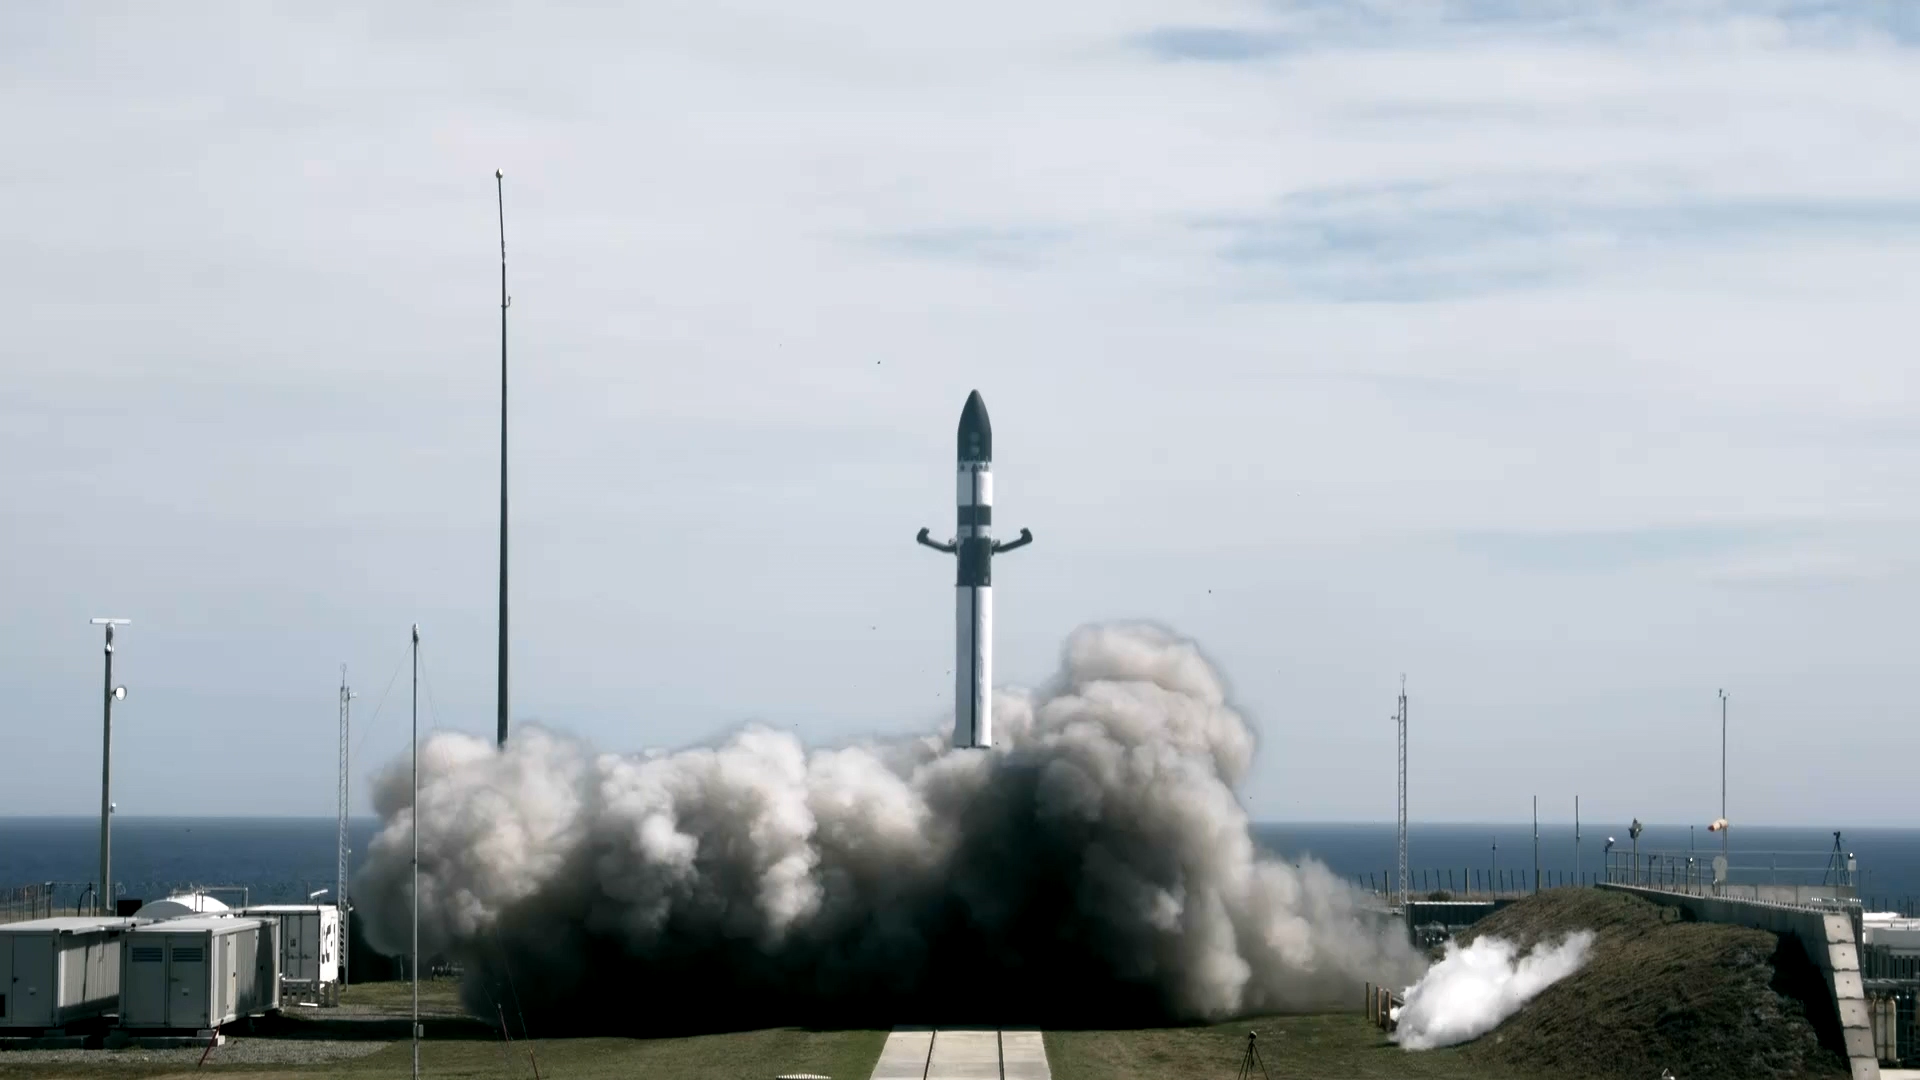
(974, 549)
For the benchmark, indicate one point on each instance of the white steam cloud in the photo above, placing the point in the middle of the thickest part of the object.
(1096, 865)
(1472, 990)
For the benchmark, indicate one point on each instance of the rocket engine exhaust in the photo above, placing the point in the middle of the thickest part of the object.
(1094, 866)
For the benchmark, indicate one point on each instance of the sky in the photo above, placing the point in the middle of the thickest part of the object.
(1556, 355)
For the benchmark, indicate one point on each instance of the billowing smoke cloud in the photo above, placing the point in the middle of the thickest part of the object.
(1471, 990)
(1094, 866)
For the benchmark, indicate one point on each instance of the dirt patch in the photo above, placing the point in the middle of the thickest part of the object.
(1701, 1000)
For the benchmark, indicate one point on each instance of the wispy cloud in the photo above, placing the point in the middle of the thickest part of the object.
(1281, 28)
(1432, 242)
(1002, 247)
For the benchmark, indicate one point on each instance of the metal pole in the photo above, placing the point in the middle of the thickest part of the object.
(1536, 843)
(1724, 829)
(106, 783)
(342, 851)
(103, 899)
(1401, 716)
(415, 963)
(1576, 840)
(501, 693)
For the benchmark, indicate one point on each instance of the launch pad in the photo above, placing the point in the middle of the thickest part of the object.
(913, 1053)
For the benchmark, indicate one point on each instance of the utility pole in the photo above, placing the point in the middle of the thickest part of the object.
(104, 898)
(340, 877)
(1401, 716)
(501, 693)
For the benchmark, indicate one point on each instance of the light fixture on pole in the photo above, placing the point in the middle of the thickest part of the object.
(112, 694)
(1633, 831)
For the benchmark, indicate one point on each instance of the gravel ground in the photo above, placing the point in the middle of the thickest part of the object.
(240, 1050)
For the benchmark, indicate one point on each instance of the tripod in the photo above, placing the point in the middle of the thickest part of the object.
(1251, 1060)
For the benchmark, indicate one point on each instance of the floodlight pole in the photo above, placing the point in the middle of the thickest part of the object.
(104, 897)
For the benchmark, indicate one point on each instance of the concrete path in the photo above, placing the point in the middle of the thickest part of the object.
(1023, 1055)
(963, 1054)
(905, 1055)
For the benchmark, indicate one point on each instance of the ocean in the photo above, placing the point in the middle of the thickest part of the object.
(284, 859)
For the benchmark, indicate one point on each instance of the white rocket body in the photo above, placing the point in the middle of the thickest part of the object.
(973, 617)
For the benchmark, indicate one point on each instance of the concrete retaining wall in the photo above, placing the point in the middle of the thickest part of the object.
(1831, 939)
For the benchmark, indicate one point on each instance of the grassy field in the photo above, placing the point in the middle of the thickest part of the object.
(1336, 1047)
(762, 1054)
(837, 1054)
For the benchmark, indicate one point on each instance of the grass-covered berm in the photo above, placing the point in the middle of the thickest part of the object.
(1701, 1000)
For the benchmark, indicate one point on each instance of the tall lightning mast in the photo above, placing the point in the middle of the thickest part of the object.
(340, 882)
(505, 302)
(1401, 716)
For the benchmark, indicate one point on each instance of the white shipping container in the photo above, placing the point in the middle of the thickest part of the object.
(309, 944)
(56, 971)
(198, 973)
(1901, 935)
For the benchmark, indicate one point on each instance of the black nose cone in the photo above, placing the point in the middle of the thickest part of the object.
(976, 432)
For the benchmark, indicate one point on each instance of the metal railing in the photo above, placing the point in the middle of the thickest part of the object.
(1793, 877)
(1470, 883)
(25, 902)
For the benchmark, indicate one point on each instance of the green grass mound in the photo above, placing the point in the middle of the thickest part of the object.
(1702, 1000)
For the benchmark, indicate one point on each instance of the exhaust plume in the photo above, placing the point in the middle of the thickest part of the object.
(1094, 866)
(1472, 990)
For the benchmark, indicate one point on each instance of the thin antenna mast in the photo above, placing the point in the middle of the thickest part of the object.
(414, 964)
(505, 301)
(1402, 718)
(340, 877)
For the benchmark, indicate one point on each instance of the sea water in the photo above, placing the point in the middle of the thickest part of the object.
(284, 859)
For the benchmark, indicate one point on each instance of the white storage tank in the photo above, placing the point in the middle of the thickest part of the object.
(198, 972)
(174, 907)
(56, 971)
(309, 949)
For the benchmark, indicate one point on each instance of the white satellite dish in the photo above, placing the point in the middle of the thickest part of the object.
(119, 693)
